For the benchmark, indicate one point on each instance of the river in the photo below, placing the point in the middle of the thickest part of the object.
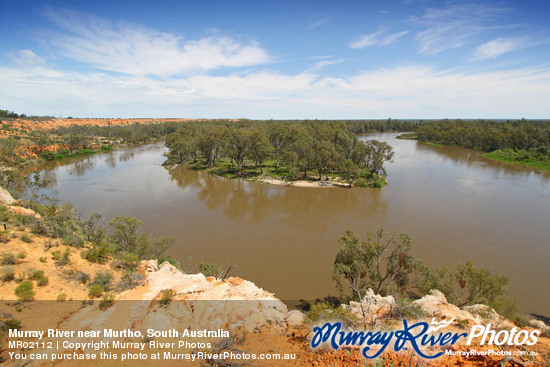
(455, 204)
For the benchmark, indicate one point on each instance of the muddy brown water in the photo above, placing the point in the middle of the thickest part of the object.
(455, 204)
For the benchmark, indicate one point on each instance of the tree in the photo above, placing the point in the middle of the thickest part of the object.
(479, 285)
(374, 154)
(279, 137)
(238, 143)
(125, 234)
(258, 147)
(381, 261)
(209, 142)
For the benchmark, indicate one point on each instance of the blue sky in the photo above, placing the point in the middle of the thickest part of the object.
(276, 59)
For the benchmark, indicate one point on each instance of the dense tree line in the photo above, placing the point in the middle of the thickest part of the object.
(293, 149)
(488, 135)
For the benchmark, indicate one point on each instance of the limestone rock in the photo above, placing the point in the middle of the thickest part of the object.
(374, 305)
(539, 324)
(23, 211)
(198, 303)
(295, 318)
(5, 197)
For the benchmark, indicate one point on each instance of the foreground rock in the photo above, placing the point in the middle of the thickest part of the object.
(198, 303)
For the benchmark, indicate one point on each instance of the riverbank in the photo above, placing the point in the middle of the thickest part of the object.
(302, 183)
(281, 176)
(523, 158)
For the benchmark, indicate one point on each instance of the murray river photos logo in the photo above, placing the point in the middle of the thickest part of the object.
(418, 335)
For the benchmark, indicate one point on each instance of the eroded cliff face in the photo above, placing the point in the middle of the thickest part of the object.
(197, 303)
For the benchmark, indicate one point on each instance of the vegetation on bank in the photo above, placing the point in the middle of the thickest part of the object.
(383, 261)
(524, 142)
(533, 158)
(314, 150)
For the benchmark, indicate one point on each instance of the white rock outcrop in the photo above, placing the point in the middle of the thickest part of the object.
(198, 303)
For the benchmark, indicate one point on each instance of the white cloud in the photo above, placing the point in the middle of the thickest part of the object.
(26, 58)
(321, 64)
(405, 92)
(376, 39)
(135, 50)
(499, 46)
(318, 23)
(455, 24)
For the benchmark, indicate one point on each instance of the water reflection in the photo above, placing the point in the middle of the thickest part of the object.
(80, 167)
(294, 207)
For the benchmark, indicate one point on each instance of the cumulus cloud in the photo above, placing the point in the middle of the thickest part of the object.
(379, 38)
(135, 50)
(402, 92)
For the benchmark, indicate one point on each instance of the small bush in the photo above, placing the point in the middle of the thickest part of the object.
(97, 254)
(7, 273)
(129, 281)
(19, 278)
(7, 258)
(41, 282)
(210, 269)
(35, 275)
(103, 279)
(107, 301)
(326, 312)
(61, 297)
(61, 259)
(43, 259)
(361, 182)
(128, 262)
(95, 291)
(24, 291)
(82, 277)
(21, 255)
(166, 296)
(73, 241)
(25, 238)
(9, 324)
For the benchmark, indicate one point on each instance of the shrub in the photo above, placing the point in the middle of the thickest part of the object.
(61, 297)
(20, 277)
(128, 262)
(7, 258)
(35, 275)
(73, 241)
(82, 277)
(166, 296)
(43, 259)
(107, 301)
(61, 259)
(21, 255)
(7, 273)
(24, 291)
(103, 279)
(97, 254)
(41, 282)
(95, 291)
(129, 281)
(25, 238)
(210, 269)
(10, 323)
(321, 312)
(361, 182)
